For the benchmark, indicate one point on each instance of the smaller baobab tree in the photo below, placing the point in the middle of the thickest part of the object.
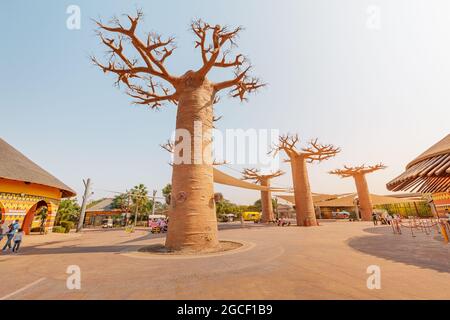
(138, 63)
(299, 157)
(359, 174)
(266, 196)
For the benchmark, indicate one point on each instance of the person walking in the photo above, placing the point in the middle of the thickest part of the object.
(17, 240)
(9, 237)
(374, 218)
(3, 229)
(389, 219)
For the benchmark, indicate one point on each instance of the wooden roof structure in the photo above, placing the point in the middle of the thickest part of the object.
(223, 178)
(347, 200)
(317, 197)
(428, 173)
(15, 166)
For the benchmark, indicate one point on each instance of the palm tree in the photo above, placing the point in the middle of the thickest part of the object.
(42, 214)
(140, 199)
(68, 210)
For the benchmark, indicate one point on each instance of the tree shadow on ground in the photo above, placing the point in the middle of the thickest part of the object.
(127, 244)
(74, 249)
(423, 251)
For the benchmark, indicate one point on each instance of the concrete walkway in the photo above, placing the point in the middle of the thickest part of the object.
(327, 262)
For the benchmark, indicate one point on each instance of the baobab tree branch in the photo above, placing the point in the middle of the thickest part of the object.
(211, 50)
(153, 53)
(138, 78)
(362, 169)
(241, 84)
(286, 143)
(319, 152)
(154, 94)
(169, 146)
(257, 177)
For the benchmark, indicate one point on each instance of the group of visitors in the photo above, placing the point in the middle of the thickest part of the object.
(384, 219)
(158, 225)
(13, 233)
(281, 222)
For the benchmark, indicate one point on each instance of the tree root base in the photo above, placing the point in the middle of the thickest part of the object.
(160, 249)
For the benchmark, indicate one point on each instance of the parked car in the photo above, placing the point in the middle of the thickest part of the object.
(107, 223)
(340, 215)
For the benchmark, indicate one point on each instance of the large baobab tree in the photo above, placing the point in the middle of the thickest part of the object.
(299, 157)
(266, 196)
(139, 65)
(359, 174)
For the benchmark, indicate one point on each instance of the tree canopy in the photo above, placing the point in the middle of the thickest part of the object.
(68, 210)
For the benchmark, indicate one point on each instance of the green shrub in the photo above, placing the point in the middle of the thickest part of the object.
(59, 229)
(353, 216)
(67, 225)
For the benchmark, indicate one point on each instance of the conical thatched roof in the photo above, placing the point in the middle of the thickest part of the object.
(428, 173)
(15, 166)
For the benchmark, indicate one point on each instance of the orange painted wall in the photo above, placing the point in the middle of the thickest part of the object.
(13, 186)
(17, 198)
(441, 201)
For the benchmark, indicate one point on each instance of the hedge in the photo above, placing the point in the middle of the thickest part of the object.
(59, 229)
(67, 225)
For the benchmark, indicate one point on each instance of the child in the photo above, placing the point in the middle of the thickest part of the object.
(17, 240)
(9, 237)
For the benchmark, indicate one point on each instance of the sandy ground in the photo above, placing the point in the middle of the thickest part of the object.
(326, 262)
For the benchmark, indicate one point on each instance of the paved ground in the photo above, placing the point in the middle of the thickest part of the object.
(327, 262)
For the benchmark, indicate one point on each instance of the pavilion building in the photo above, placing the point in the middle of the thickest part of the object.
(25, 188)
(101, 210)
(428, 174)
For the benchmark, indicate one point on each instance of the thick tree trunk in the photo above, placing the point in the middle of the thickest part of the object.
(266, 203)
(365, 203)
(304, 205)
(192, 216)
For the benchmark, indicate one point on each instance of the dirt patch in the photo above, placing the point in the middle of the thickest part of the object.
(161, 250)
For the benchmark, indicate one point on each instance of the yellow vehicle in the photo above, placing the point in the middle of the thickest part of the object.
(251, 216)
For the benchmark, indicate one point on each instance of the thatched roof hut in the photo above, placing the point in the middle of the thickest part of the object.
(428, 173)
(15, 166)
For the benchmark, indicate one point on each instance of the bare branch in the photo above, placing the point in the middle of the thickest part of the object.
(348, 171)
(139, 79)
(210, 51)
(169, 146)
(318, 152)
(286, 143)
(241, 85)
(257, 177)
(313, 152)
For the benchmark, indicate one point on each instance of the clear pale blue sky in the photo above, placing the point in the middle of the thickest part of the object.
(381, 95)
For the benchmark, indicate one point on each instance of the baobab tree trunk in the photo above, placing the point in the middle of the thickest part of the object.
(365, 203)
(266, 202)
(192, 217)
(304, 205)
